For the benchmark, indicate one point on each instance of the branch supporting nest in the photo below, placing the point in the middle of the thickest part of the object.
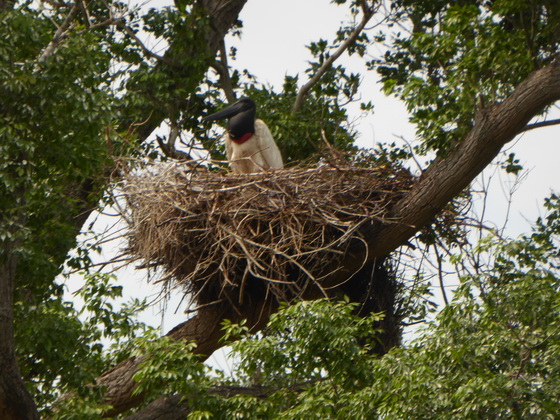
(243, 238)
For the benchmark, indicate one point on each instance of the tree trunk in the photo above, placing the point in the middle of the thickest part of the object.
(15, 401)
(204, 329)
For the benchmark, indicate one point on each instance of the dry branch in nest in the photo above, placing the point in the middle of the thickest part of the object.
(240, 237)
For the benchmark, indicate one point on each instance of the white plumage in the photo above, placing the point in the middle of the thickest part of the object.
(249, 143)
(258, 153)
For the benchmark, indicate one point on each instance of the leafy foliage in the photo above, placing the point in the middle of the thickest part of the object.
(56, 141)
(63, 350)
(492, 353)
(463, 56)
(65, 117)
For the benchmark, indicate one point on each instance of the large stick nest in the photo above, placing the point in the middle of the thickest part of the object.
(226, 236)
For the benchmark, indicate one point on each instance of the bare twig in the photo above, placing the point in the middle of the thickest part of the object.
(539, 125)
(304, 90)
(168, 147)
(60, 33)
(440, 275)
(85, 12)
(149, 53)
(222, 68)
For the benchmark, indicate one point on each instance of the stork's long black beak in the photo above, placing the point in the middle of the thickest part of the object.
(228, 112)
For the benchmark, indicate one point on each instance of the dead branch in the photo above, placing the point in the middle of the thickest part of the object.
(540, 125)
(222, 68)
(168, 147)
(60, 33)
(368, 12)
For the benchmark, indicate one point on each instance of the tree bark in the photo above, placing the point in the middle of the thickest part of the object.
(445, 178)
(439, 184)
(15, 401)
(175, 407)
(204, 329)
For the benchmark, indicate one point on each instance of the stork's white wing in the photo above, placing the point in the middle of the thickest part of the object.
(267, 147)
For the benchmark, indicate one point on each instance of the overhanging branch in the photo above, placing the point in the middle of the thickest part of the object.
(446, 178)
(304, 90)
(540, 125)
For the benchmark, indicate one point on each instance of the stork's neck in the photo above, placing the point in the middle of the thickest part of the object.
(241, 127)
(242, 139)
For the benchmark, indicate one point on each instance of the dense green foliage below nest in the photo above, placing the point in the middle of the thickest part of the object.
(230, 236)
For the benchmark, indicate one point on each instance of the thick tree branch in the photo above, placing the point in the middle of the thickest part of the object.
(175, 407)
(445, 178)
(204, 329)
(304, 90)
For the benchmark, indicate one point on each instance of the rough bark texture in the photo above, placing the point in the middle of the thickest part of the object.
(15, 401)
(167, 408)
(204, 329)
(444, 179)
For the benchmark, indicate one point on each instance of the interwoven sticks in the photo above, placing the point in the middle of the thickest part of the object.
(243, 236)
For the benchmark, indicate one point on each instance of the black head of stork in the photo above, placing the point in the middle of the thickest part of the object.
(241, 123)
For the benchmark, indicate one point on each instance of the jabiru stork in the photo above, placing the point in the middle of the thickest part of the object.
(249, 143)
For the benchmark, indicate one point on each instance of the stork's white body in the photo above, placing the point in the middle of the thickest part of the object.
(258, 153)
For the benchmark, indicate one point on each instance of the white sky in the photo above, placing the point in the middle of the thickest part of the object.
(271, 48)
(273, 44)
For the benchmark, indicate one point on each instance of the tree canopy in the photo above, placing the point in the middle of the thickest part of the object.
(84, 84)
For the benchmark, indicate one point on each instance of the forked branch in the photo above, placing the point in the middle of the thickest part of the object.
(60, 33)
(368, 12)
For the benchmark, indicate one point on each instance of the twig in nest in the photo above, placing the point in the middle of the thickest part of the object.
(248, 237)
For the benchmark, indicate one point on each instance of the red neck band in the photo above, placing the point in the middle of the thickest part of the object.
(243, 138)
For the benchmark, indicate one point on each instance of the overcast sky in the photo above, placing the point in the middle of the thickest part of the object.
(273, 44)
